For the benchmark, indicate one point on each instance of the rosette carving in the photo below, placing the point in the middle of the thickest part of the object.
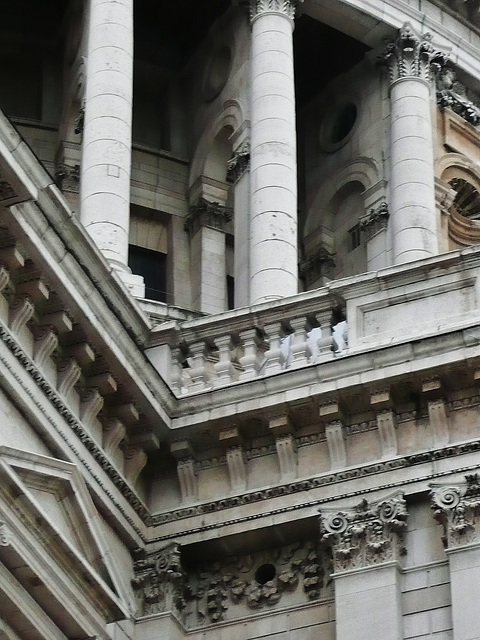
(367, 535)
(457, 509)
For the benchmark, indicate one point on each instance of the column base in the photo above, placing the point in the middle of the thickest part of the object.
(134, 283)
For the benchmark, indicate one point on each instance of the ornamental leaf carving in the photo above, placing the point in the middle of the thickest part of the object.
(367, 535)
(457, 509)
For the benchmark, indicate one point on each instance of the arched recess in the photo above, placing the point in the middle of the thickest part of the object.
(462, 179)
(333, 246)
(210, 223)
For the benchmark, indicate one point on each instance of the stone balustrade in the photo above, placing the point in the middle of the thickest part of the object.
(361, 313)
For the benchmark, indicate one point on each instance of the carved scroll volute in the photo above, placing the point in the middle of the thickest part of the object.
(457, 509)
(368, 535)
(159, 581)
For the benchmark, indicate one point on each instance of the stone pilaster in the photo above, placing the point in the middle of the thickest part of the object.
(457, 508)
(367, 544)
(412, 61)
(273, 164)
(239, 176)
(207, 224)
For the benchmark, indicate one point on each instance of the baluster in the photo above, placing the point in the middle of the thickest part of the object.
(250, 361)
(198, 374)
(274, 355)
(176, 379)
(325, 343)
(300, 352)
(225, 372)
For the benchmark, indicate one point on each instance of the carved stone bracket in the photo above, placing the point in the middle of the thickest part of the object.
(159, 581)
(371, 534)
(412, 55)
(238, 163)
(207, 214)
(458, 98)
(318, 265)
(375, 220)
(457, 508)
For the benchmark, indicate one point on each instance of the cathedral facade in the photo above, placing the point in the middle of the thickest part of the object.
(240, 320)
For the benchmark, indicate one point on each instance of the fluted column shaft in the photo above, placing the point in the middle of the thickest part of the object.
(412, 191)
(273, 201)
(106, 152)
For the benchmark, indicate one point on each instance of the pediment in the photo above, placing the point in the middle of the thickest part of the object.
(51, 524)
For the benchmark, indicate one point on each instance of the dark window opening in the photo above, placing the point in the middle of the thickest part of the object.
(354, 237)
(152, 265)
(230, 292)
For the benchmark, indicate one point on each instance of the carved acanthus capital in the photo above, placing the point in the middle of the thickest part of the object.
(238, 163)
(318, 265)
(412, 55)
(159, 581)
(457, 508)
(458, 98)
(368, 535)
(257, 8)
(208, 214)
(375, 220)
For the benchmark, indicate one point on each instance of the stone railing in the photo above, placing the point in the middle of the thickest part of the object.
(370, 311)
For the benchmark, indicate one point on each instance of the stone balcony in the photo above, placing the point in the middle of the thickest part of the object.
(350, 317)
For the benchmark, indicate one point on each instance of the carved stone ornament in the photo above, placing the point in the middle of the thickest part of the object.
(4, 535)
(67, 177)
(258, 580)
(366, 536)
(208, 214)
(257, 8)
(458, 510)
(318, 265)
(375, 220)
(412, 55)
(238, 163)
(458, 98)
(159, 581)
(6, 190)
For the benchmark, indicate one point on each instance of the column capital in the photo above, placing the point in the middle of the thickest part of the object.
(370, 534)
(208, 214)
(457, 509)
(257, 8)
(412, 55)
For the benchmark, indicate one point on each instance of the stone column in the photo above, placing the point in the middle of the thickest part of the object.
(207, 224)
(107, 131)
(273, 161)
(457, 508)
(239, 175)
(367, 544)
(411, 60)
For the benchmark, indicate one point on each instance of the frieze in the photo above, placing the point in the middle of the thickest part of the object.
(412, 55)
(457, 509)
(368, 535)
